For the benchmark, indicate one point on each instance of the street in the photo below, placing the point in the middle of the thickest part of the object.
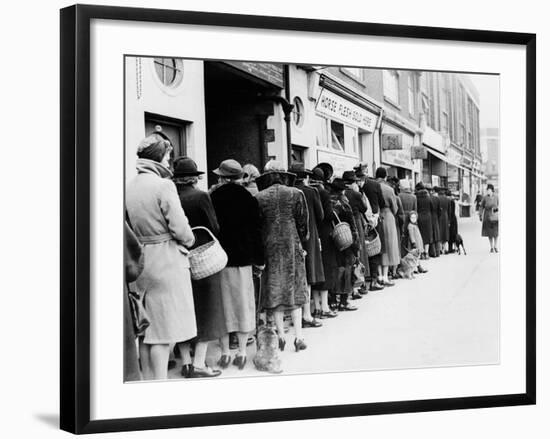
(446, 317)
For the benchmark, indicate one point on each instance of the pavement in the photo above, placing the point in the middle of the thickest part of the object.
(446, 317)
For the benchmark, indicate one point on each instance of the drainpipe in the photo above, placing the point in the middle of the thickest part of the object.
(288, 111)
(378, 127)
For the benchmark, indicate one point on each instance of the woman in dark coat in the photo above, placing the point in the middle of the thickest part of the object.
(320, 289)
(425, 208)
(206, 292)
(488, 214)
(359, 207)
(133, 264)
(284, 215)
(314, 261)
(453, 223)
(436, 214)
(240, 236)
(444, 222)
(340, 263)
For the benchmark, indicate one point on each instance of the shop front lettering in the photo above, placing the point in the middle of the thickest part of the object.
(333, 106)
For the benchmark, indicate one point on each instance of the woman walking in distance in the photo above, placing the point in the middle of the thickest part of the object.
(489, 215)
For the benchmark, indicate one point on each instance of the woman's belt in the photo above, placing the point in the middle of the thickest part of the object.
(156, 239)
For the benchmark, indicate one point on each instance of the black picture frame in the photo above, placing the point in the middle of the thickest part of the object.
(75, 217)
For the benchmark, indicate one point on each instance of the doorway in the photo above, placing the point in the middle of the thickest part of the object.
(236, 117)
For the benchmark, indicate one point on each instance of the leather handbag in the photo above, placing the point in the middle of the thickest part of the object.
(140, 318)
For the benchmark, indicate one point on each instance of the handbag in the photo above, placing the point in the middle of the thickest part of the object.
(341, 234)
(140, 318)
(373, 244)
(493, 215)
(207, 259)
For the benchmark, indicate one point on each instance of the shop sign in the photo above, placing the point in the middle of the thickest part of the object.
(272, 73)
(454, 157)
(433, 139)
(392, 141)
(466, 162)
(336, 107)
(339, 162)
(419, 153)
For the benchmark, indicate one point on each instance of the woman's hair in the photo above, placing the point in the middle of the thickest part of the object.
(154, 147)
(251, 171)
(274, 165)
(381, 172)
(188, 180)
(490, 186)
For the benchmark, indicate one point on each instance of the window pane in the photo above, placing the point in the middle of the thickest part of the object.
(321, 131)
(391, 86)
(337, 135)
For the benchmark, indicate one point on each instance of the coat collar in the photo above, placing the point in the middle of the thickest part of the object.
(146, 166)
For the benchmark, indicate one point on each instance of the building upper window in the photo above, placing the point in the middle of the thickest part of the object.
(356, 72)
(411, 93)
(169, 71)
(391, 85)
(298, 111)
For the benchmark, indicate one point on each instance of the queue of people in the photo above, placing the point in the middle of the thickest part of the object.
(299, 245)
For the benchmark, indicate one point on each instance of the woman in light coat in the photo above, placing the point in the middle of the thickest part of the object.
(391, 255)
(158, 220)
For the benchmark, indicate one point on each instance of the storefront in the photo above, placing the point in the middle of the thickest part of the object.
(395, 145)
(344, 131)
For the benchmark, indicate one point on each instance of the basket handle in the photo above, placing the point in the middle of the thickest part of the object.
(207, 229)
(337, 217)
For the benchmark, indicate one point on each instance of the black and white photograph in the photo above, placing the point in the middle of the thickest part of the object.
(308, 219)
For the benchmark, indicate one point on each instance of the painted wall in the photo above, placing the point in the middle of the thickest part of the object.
(145, 93)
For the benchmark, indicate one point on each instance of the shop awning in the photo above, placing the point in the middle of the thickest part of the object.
(444, 158)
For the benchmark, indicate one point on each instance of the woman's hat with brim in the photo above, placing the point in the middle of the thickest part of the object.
(186, 167)
(337, 185)
(349, 177)
(327, 169)
(229, 168)
(299, 170)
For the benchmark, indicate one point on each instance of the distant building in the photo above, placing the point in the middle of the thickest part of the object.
(490, 141)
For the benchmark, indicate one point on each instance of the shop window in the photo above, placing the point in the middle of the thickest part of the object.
(350, 139)
(391, 85)
(321, 132)
(298, 111)
(169, 71)
(298, 154)
(337, 135)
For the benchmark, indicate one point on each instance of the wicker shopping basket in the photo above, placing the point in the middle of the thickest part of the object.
(207, 259)
(341, 234)
(373, 244)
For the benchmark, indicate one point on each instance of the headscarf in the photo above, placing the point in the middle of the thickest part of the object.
(154, 146)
